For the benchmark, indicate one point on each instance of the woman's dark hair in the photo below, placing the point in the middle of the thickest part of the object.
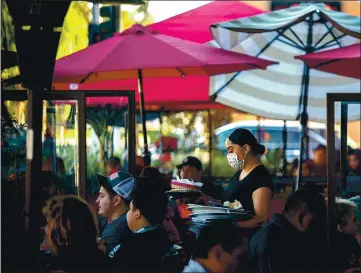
(242, 137)
(75, 216)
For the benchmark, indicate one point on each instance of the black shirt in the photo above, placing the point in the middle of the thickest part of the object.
(115, 232)
(242, 190)
(280, 247)
(143, 252)
(346, 251)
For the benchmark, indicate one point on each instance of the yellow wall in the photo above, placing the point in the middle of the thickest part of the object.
(350, 7)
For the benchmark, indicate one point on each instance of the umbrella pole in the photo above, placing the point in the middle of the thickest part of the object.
(259, 132)
(284, 139)
(304, 100)
(343, 161)
(146, 153)
(126, 131)
(210, 147)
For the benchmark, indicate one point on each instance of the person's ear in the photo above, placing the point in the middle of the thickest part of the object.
(137, 214)
(117, 200)
(301, 217)
(216, 251)
(247, 149)
(339, 228)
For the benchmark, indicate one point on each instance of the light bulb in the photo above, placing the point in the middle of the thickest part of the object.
(73, 86)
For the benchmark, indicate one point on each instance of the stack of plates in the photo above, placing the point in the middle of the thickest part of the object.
(182, 193)
(203, 214)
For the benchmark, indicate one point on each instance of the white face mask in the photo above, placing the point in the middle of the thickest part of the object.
(234, 162)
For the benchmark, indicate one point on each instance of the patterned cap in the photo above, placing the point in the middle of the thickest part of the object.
(121, 182)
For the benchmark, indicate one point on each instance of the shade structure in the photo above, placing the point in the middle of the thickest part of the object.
(160, 91)
(139, 53)
(343, 61)
(192, 92)
(167, 94)
(155, 54)
(194, 25)
(290, 90)
(281, 35)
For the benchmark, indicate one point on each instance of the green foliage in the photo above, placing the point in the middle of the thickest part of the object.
(66, 153)
(74, 34)
(7, 29)
(8, 41)
(100, 118)
(273, 160)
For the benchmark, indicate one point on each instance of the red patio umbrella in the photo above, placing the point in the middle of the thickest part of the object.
(194, 25)
(344, 61)
(191, 93)
(140, 52)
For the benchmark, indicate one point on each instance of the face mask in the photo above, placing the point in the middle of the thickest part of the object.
(234, 162)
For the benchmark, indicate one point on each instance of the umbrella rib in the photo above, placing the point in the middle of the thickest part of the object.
(332, 34)
(181, 72)
(326, 62)
(298, 38)
(86, 77)
(214, 96)
(323, 37)
(330, 43)
(290, 43)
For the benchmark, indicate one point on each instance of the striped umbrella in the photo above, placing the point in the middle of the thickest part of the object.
(289, 90)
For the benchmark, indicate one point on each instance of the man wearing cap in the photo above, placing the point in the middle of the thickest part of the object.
(113, 205)
(191, 168)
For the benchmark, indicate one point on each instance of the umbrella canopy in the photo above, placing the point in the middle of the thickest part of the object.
(343, 61)
(155, 54)
(194, 25)
(156, 90)
(284, 90)
(192, 92)
(186, 93)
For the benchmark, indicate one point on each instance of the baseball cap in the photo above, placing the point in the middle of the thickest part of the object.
(121, 182)
(191, 161)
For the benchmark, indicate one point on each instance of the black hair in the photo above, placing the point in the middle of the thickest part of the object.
(151, 172)
(83, 228)
(222, 233)
(356, 152)
(308, 199)
(113, 162)
(243, 136)
(321, 147)
(150, 198)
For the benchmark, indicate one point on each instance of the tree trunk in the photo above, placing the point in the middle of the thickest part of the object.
(102, 151)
